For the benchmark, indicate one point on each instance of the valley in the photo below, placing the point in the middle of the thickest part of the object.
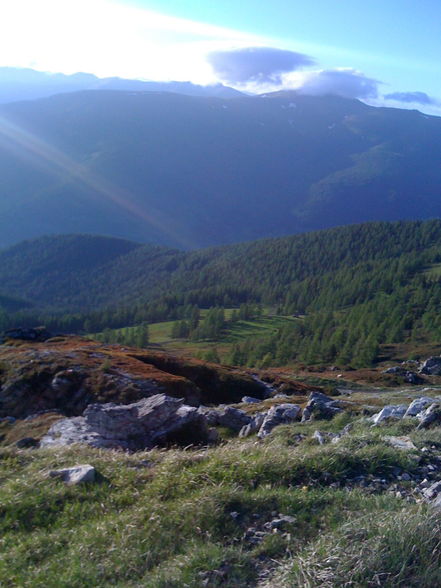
(220, 324)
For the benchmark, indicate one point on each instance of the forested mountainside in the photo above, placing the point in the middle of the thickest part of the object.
(188, 172)
(353, 288)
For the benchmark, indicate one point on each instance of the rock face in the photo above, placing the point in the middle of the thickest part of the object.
(76, 475)
(216, 384)
(320, 406)
(278, 415)
(157, 420)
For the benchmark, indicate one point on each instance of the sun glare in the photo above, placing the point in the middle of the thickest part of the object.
(109, 38)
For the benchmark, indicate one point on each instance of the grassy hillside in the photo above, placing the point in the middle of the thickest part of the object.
(165, 519)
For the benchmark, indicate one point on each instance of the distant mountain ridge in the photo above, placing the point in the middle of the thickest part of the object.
(191, 171)
(18, 84)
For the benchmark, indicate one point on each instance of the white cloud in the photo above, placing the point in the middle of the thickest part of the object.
(345, 82)
(256, 64)
(107, 38)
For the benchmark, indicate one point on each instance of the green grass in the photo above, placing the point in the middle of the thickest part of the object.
(170, 524)
(394, 549)
(433, 271)
(160, 334)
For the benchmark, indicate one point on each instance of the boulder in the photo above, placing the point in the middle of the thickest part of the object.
(418, 405)
(228, 417)
(320, 406)
(250, 400)
(407, 375)
(429, 416)
(278, 415)
(75, 430)
(392, 411)
(76, 475)
(432, 491)
(253, 426)
(432, 366)
(412, 378)
(158, 420)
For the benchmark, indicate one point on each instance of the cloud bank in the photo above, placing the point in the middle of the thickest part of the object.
(345, 82)
(411, 97)
(256, 64)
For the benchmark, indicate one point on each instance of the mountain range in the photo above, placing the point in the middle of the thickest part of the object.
(29, 84)
(194, 171)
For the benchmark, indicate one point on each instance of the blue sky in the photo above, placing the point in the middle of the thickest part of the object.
(384, 52)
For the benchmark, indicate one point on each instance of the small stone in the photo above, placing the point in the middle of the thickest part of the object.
(250, 400)
(323, 437)
(403, 443)
(27, 442)
(76, 475)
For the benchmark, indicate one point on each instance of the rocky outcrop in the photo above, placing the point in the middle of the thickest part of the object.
(253, 426)
(227, 416)
(216, 384)
(429, 416)
(418, 405)
(158, 420)
(320, 406)
(68, 373)
(392, 411)
(432, 366)
(278, 415)
(425, 409)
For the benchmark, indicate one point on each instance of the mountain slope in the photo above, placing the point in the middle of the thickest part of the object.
(347, 290)
(190, 171)
(80, 272)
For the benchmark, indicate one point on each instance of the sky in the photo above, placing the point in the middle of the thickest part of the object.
(385, 52)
